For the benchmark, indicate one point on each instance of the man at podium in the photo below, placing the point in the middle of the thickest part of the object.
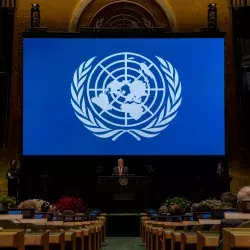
(120, 169)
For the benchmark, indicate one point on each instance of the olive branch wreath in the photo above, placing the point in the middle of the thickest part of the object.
(147, 23)
(99, 23)
(93, 124)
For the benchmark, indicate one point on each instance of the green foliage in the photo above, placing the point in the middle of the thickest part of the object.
(181, 201)
(6, 199)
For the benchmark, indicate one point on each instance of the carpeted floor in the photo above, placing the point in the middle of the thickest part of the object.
(123, 243)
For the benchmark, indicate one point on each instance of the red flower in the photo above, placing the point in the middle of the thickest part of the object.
(70, 203)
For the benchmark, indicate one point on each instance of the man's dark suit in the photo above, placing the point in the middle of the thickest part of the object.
(124, 170)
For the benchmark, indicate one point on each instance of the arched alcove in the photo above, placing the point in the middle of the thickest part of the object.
(123, 14)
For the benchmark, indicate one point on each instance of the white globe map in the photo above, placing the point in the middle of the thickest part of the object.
(126, 93)
(132, 104)
(126, 88)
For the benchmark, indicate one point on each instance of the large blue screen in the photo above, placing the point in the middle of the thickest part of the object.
(105, 96)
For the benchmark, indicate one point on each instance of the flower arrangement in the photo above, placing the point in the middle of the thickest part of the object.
(70, 203)
(53, 209)
(6, 199)
(37, 204)
(181, 201)
(28, 204)
(212, 203)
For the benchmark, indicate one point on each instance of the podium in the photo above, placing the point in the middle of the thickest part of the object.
(123, 194)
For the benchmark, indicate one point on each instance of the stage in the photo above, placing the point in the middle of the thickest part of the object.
(183, 176)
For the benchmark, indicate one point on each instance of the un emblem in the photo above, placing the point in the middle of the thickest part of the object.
(123, 181)
(126, 93)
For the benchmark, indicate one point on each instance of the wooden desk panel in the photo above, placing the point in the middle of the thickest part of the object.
(209, 222)
(79, 238)
(166, 237)
(237, 216)
(207, 239)
(175, 239)
(70, 238)
(87, 238)
(188, 238)
(37, 239)
(11, 216)
(236, 237)
(12, 238)
(57, 238)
